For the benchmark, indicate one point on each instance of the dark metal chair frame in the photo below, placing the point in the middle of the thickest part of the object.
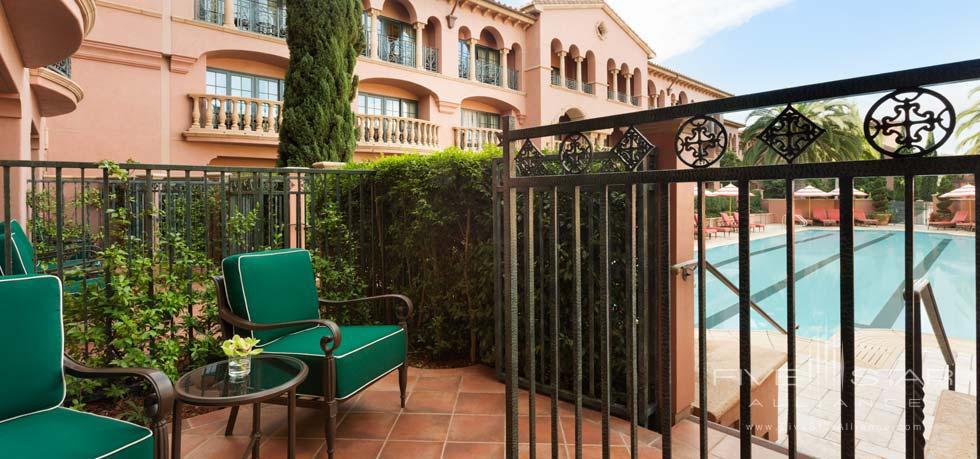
(328, 402)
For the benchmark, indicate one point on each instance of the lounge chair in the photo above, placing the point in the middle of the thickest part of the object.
(752, 226)
(822, 216)
(861, 219)
(33, 422)
(272, 296)
(959, 217)
(729, 222)
(709, 230)
(801, 219)
(967, 226)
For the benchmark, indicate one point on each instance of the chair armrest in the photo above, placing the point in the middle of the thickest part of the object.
(327, 343)
(402, 312)
(157, 408)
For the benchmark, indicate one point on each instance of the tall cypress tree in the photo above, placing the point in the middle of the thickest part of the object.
(324, 38)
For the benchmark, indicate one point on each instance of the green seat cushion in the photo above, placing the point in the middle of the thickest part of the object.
(31, 311)
(366, 353)
(61, 432)
(269, 287)
(22, 256)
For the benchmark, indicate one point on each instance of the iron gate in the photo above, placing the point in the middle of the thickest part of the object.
(547, 309)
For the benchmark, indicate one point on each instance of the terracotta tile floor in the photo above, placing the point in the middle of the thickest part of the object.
(456, 413)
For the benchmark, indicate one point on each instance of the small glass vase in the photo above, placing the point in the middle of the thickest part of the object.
(239, 367)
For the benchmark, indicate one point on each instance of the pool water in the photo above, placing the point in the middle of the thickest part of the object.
(947, 261)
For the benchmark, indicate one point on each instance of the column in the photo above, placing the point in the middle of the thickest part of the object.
(373, 33)
(419, 49)
(629, 87)
(504, 76)
(614, 76)
(578, 73)
(229, 13)
(472, 43)
(561, 67)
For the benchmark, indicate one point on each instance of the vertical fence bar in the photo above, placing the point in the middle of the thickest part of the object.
(190, 245)
(8, 258)
(223, 213)
(744, 323)
(605, 385)
(86, 248)
(529, 278)
(702, 327)
(577, 313)
(644, 316)
(976, 298)
(206, 197)
(915, 431)
(631, 377)
(497, 271)
(847, 314)
(590, 319)
(555, 327)
(300, 216)
(666, 317)
(59, 189)
(791, 317)
(511, 298)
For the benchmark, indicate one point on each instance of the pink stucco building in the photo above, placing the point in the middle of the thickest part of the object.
(436, 73)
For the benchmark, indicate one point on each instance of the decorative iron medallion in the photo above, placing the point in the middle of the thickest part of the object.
(633, 148)
(700, 141)
(909, 116)
(790, 133)
(575, 153)
(529, 160)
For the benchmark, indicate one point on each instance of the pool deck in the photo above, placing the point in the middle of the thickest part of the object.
(777, 229)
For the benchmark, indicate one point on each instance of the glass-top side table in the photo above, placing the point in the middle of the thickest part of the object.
(271, 377)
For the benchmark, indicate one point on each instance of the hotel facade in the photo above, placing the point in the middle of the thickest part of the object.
(201, 81)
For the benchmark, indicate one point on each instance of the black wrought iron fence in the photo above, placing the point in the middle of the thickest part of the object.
(585, 242)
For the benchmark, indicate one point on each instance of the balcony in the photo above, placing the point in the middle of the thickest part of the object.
(474, 139)
(431, 56)
(250, 16)
(46, 31)
(395, 134)
(588, 88)
(488, 73)
(231, 119)
(571, 83)
(396, 50)
(635, 100)
(555, 78)
(55, 92)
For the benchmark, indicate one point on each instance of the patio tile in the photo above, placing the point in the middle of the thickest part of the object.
(729, 448)
(429, 427)
(379, 401)
(542, 404)
(189, 442)
(430, 402)
(411, 449)
(475, 450)
(591, 433)
(438, 383)
(478, 403)
(476, 428)
(276, 448)
(390, 383)
(220, 447)
(481, 383)
(542, 429)
(689, 433)
(354, 448)
(366, 425)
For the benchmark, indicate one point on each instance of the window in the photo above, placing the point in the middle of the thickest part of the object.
(396, 42)
(464, 59)
(488, 65)
(229, 83)
(478, 119)
(372, 104)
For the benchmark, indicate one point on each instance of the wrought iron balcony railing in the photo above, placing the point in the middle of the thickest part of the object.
(488, 73)
(63, 67)
(555, 77)
(571, 83)
(589, 88)
(512, 79)
(267, 18)
(635, 100)
(621, 96)
(396, 50)
(431, 56)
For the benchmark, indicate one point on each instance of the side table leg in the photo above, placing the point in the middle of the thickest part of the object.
(291, 416)
(175, 443)
(256, 429)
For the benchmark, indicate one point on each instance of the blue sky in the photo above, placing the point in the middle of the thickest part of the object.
(746, 46)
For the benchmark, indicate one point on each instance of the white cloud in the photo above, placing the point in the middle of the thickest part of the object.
(673, 27)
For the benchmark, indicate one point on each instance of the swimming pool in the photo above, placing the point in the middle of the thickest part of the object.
(947, 261)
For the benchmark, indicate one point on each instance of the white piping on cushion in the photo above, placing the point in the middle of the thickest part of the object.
(148, 435)
(338, 357)
(248, 316)
(359, 388)
(61, 323)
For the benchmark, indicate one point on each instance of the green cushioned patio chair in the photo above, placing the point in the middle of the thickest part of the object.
(33, 424)
(272, 296)
(23, 256)
(22, 253)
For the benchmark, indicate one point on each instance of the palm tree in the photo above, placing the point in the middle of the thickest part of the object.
(843, 139)
(969, 122)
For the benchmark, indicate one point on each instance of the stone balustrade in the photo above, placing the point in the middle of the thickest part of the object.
(475, 138)
(231, 115)
(396, 132)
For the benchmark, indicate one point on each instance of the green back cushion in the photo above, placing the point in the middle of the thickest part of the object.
(271, 286)
(34, 381)
(22, 254)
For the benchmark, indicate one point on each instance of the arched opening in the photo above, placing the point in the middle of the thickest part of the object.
(661, 99)
(480, 122)
(396, 33)
(515, 65)
(652, 94)
(682, 98)
(590, 76)
(487, 56)
(612, 79)
(624, 90)
(572, 68)
(431, 37)
(464, 37)
(636, 86)
(555, 61)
